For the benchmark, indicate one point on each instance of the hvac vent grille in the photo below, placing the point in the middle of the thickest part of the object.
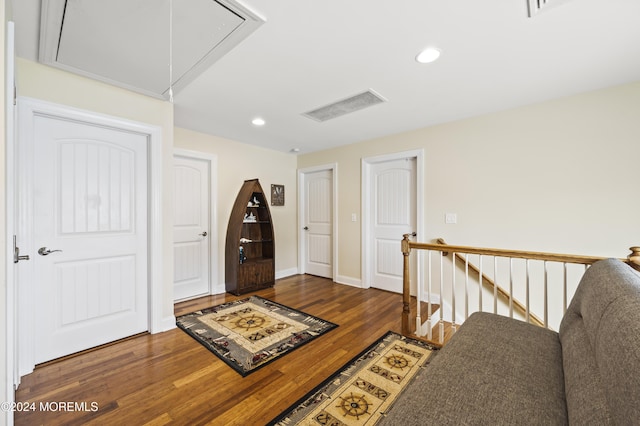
(345, 106)
(537, 6)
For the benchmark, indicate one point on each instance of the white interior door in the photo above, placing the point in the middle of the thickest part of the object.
(90, 225)
(392, 214)
(318, 223)
(191, 231)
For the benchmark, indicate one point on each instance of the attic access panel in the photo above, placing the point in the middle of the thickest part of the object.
(126, 43)
(537, 6)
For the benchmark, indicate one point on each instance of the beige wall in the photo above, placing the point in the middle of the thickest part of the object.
(52, 85)
(556, 176)
(238, 162)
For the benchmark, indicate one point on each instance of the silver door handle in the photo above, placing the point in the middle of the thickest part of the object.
(43, 251)
(203, 234)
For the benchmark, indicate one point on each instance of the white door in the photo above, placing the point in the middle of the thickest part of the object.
(318, 227)
(191, 231)
(393, 214)
(90, 211)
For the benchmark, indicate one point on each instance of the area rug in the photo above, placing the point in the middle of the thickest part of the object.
(364, 389)
(250, 333)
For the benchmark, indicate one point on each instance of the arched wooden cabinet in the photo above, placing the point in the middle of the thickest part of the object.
(249, 253)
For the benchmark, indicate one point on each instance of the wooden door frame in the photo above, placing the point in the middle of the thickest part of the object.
(365, 247)
(333, 168)
(28, 109)
(216, 281)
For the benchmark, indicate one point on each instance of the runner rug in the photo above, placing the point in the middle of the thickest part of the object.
(364, 389)
(250, 333)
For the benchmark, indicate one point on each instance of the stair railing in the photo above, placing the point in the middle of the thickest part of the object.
(490, 283)
(545, 272)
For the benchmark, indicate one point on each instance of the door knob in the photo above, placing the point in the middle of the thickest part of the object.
(43, 251)
(203, 234)
(306, 228)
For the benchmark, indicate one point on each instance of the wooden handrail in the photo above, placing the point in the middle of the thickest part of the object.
(519, 254)
(632, 260)
(504, 293)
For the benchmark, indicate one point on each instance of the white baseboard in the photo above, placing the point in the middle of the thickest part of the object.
(350, 281)
(286, 273)
(219, 289)
(166, 324)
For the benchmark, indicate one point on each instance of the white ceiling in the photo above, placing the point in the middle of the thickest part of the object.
(310, 53)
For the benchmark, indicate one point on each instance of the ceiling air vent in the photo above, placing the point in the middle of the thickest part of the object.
(345, 106)
(537, 6)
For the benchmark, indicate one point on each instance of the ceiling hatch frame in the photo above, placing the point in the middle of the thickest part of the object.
(51, 22)
(537, 6)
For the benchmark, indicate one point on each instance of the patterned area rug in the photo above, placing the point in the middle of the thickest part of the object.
(248, 334)
(364, 389)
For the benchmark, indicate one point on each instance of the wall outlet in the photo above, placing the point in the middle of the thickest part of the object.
(354, 218)
(451, 218)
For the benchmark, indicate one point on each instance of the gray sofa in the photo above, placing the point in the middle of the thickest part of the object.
(500, 371)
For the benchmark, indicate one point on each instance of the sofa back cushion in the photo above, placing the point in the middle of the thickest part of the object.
(600, 338)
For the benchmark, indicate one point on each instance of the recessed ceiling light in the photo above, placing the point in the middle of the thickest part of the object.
(258, 121)
(428, 55)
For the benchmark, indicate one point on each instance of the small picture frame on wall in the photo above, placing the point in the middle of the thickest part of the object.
(277, 195)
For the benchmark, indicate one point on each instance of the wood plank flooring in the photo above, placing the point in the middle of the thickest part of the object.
(169, 378)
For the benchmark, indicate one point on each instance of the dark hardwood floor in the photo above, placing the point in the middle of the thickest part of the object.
(169, 378)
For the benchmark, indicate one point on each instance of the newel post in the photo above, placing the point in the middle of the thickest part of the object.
(634, 258)
(406, 289)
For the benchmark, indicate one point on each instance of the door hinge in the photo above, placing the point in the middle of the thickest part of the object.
(16, 252)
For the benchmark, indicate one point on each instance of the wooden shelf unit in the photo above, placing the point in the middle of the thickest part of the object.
(257, 268)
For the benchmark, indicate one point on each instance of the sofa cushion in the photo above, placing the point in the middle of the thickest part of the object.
(586, 403)
(494, 370)
(600, 337)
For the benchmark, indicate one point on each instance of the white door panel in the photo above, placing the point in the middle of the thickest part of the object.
(90, 203)
(191, 231)
(393, 209)
(318, 226)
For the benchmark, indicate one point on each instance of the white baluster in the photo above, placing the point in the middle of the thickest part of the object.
(510, 287)
(429, 312)
(441, 323)
(546, 302)
(495, 285)
(453, 291)
(527, 297)
(564, 293)
(480, 286)
(466, 286)
(419, 287)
